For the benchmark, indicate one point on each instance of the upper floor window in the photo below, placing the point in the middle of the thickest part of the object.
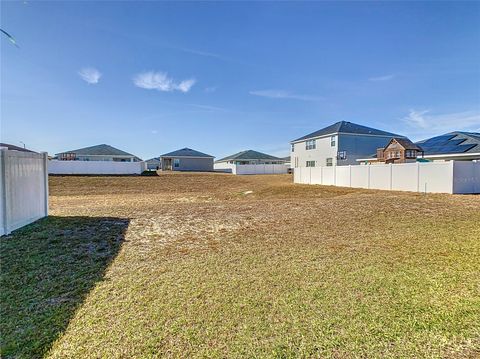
(310, 145)
(310, 163)
(333, 141)
(293, 147)
(342, 155)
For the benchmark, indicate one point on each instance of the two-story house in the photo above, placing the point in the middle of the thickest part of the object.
(339, 144)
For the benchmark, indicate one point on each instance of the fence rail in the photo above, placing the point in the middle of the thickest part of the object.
(258, 169)
(434, 177)
(23, 188)
(95, 167)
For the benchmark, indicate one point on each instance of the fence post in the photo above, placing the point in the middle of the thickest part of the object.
(321, 175)
(310, 182)
(4, 190)
(350, 175)
(391, 176)
(368, 176)
(418, 176)
(45, 183)
(335, 175)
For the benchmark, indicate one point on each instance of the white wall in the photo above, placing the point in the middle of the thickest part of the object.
(23, 189)
(259, 169)
(433, 177)
(95, 167)
(320, 154)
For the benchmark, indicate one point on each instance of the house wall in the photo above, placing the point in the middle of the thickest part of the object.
(355, 146)
(23, 189)
(194, 164)
(359, 146)
(432, 177)
(323, 150)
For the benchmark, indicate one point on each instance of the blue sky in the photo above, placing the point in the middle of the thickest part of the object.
(151, 77)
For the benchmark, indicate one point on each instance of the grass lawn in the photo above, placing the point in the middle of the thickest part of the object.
(188, 265)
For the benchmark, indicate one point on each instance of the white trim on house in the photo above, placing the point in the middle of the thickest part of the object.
(468, 155)
(343, 133)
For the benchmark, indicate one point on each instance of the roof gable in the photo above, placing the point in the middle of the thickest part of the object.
(186, 152)
(15, 148)
(250, 155)
(347, 127)
(99, 150)
(405, 143)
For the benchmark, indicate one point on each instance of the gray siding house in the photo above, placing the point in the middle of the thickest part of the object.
(186, 159)
(339, 144)
(101, 152)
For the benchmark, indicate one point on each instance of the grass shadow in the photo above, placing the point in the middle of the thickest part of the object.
(47, 270)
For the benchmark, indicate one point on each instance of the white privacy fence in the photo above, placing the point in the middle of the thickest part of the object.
(435, 177)
(95, 167)
(259, 169)
(23, 188)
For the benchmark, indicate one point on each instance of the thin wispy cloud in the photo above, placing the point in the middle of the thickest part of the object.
(160, 81)
(210, 89)
(208, 107)
(199, 52)
(382, 78)
(282, 94)
(90, 75)
(424, 123)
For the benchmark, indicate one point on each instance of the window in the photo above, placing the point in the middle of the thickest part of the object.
(310, 163)
(310, 145)
(329, 162)
(342, 155)
(296, 162)
(176, 162)
(333, 141)
(293, 147)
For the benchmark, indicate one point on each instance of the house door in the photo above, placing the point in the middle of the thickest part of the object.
(167, 164)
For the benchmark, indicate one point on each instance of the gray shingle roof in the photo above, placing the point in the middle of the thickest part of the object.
(99, 150)
(15, 148)
(186, 152)
(250, 155)
(347, 127)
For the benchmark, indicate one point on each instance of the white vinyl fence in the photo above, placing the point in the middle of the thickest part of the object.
(435, 177)
(23, 188)
(259, 169)
(95, 167)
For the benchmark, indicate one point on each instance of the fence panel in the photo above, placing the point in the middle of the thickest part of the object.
(342, 176)
(328, 176)
(435, 177)
(259, 169)
(23, 189)
(360, 176)
(466, 177)
(95, 167)
(405, 177)
(380, 177)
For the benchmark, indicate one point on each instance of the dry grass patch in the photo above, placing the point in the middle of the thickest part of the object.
(208, 270)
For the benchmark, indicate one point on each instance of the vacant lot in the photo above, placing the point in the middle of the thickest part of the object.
(194, 265)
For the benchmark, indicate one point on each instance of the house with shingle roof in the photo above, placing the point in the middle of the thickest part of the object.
(459, 146)
(101, 152)
(186, 159)
(455, 145)
(250, 157)
(339, 144)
